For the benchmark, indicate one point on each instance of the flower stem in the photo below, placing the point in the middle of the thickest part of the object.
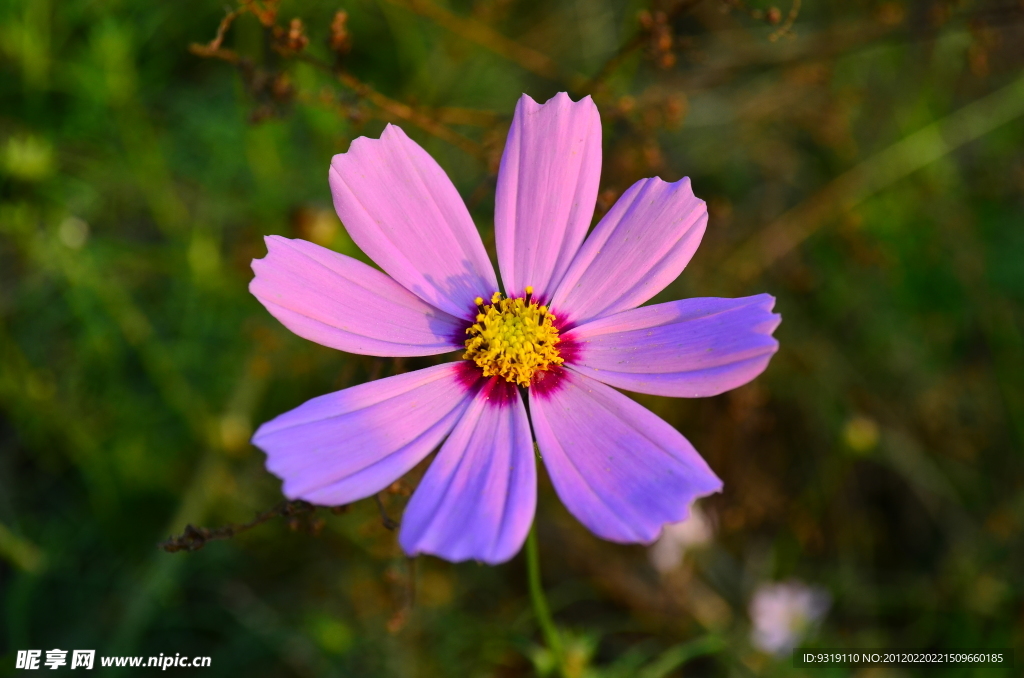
(540, 603)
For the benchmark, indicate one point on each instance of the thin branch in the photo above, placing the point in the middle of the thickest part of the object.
(215, 44)
(266, 15)
(407, 112)
(637, 41)
(395, 108)
(385, 519)
(488, 38)
(391, 107)
(609, 66)
(477, 117)
(195, 538)
(209, 52)
(787, 27)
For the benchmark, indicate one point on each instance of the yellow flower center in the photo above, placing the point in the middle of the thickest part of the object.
(513, 338)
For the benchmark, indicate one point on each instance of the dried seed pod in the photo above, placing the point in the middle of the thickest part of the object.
(341, 39)
(297, 39)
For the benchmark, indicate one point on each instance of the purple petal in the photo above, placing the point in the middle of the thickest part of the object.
(547, 187)
(686, 349)
(348, 445)
(477, 499)
(617, 467)
(339, 302)
(403, 211)
(640, 246)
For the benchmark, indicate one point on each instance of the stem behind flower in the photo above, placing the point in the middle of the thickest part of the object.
(540, 603)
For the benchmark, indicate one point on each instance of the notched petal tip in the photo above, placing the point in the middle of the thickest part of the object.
(547, 189)
(344, 446)
(766, 302)
(477, 499)
(561, 98)
(557, 99)
(363, 141)
(637, 249)
(617, 467)
(401, 208)
(692, 348)
(342, 303)
(269, 241)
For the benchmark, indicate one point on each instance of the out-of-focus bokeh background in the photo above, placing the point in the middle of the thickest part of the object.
(861, 159)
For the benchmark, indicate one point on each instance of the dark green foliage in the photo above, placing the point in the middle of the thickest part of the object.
(879, 456)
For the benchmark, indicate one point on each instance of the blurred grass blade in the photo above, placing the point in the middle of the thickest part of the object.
(20, 552)
(878, 172)
(674, 657)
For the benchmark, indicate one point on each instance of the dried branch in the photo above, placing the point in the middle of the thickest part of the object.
(406, 112)
(266, 14)
(211, 52)
(393, 108)
(385, 519)
(488, 38)
(214, 45)
(291, 43)
(787, 27)
(609, 66)
(639, 39)
(195, 538)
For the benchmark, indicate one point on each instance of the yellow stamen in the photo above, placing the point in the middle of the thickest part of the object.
(513, 338)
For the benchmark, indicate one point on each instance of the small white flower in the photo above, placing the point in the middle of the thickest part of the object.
(784, 613)
(676, 539)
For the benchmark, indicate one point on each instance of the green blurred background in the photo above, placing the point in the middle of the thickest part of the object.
(864, 164)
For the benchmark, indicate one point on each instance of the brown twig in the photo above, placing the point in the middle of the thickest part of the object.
(211, 52)
(488, 38)
(290, 43)
(195, 538)
(787, 27)
(392, 107)
(266, 14)
(637, 41)
(609, 66)
(388, 522)
(222, 29)
(406, 112)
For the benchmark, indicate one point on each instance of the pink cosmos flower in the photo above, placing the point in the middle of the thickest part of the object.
(566, 330)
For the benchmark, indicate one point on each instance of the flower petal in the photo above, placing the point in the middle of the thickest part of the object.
(348, 445)
(403, 211)
(637, 249)
(617, 467)
(686, 349)
(478, 497)
(547, 188)
(339, 302)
